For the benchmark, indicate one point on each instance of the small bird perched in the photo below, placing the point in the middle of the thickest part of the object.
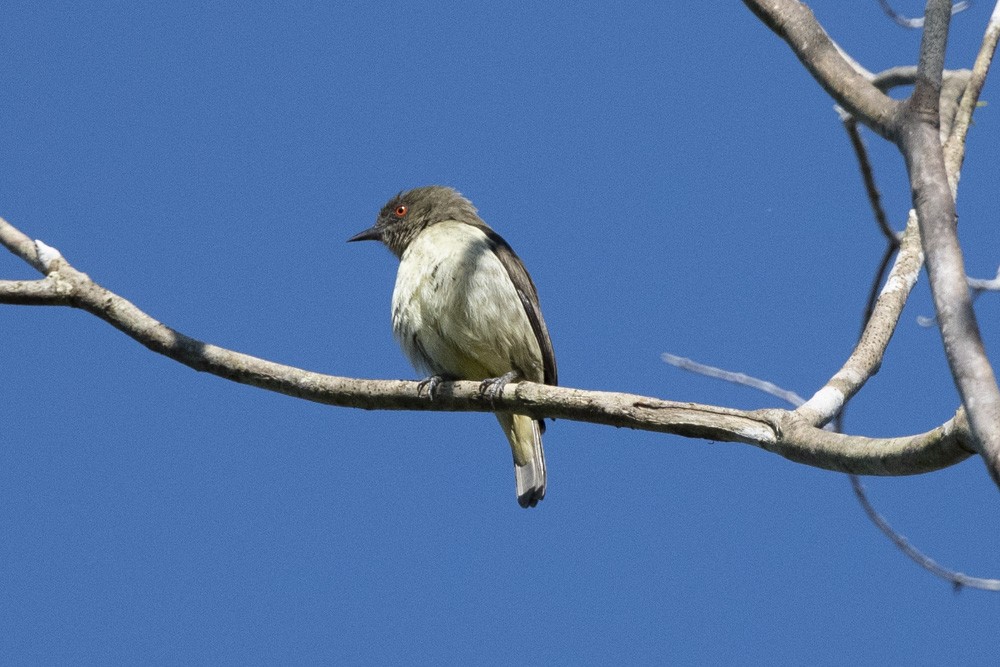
(464, 308)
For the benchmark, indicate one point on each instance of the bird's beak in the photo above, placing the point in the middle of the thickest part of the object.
(371, 234)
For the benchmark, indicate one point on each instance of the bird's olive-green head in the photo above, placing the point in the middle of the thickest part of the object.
(407, 214)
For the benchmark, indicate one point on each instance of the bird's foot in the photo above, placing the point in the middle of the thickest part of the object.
(492, 388)
(431, 384)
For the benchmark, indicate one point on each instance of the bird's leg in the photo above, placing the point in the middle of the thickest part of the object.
(431, 384)
(492, 388)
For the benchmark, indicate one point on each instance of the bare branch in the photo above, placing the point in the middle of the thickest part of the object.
(736, 378)
(954, 149)
(953, 87)
(866, 358)
(868, 177)
(873, 291)
(894, 77)
(778, 431)
(891, 237)
(918, 22)
(795, 23)
(930, 66)
(957, 579)
(22, 246)
(43, 292)
(935, 206)
(985, 285)
(883, 317)
(976, 286)
(798, 27)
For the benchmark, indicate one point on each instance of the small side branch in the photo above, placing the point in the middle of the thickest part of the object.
(958, 580)
(954, 149)
(733, 377)
(918, 22)
(868, 177)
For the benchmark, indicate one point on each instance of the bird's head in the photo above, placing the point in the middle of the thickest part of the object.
(407, 214)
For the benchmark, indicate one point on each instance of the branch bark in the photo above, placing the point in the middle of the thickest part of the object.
(794, 435)
(866, 358)
(795, 23)
(779, 431)
(957, 579)
(915, 126)
(881, 315)
(919, 141)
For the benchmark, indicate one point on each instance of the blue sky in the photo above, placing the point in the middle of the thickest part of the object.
(674, 181)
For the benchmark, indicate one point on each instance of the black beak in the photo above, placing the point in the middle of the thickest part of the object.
(372, 234)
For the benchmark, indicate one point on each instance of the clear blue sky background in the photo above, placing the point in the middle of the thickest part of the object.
(673, 179)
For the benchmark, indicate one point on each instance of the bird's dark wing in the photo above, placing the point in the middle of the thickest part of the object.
(529, 299)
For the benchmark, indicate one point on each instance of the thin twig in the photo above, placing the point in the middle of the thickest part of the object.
(918, 22)
(954, 149)
(735, 378)
(976, 288)
(868, 176)
(957, 579)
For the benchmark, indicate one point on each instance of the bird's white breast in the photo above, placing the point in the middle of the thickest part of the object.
(455, 310)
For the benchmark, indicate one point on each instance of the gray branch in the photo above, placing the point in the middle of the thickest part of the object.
(795, 23)
(934, 202)
(733, 377)
(915, 126)
(866, 358)
(918, 22)
(779, 431)
(977, 286)
(958, 579)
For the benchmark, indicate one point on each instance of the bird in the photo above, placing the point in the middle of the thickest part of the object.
(465, 308)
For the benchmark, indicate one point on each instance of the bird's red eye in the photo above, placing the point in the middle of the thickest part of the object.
(401, 210)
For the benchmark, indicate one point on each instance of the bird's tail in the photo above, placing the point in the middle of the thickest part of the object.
(525, 436)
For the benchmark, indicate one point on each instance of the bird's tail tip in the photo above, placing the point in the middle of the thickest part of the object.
(529, 488)
(525, 436)
(530, 477)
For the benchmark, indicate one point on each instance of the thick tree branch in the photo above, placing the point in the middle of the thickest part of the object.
(883, 318)
(779, 431)
(920, 144)
(954, 85)
(882, 310)
(794, 22)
